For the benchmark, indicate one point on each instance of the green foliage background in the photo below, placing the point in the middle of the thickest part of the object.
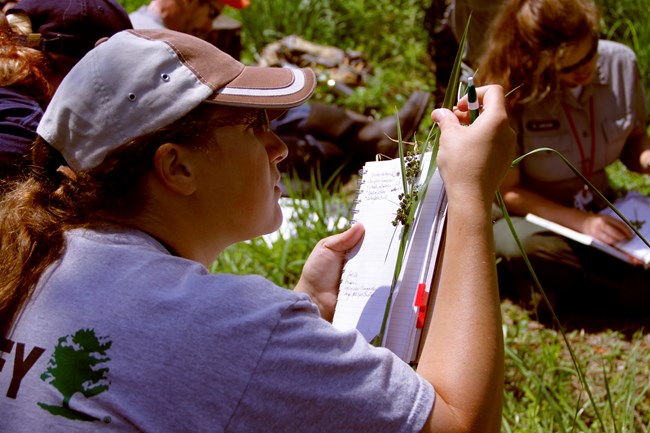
(393, 37)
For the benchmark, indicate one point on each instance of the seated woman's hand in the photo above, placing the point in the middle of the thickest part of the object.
(606, 228)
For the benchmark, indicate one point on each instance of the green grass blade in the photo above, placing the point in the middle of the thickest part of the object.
(538, 285)
(609, 399)
(414, 210)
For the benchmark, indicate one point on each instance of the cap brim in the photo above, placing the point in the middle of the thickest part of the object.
(270, 88)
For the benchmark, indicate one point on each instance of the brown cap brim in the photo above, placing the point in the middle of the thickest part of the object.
(272, 88)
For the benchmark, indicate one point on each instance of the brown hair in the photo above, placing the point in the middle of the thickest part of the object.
(37, 210)
(526, 40)
(26, 69)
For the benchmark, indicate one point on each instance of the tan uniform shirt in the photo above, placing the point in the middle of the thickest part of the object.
(620, 113)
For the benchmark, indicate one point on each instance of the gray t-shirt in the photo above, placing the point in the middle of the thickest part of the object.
(123, 336)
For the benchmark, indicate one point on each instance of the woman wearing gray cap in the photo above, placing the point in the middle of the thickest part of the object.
(154, 155)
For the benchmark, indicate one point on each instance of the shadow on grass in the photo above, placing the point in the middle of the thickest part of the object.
(592, 311)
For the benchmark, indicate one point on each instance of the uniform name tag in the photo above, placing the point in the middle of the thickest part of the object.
(543, 125)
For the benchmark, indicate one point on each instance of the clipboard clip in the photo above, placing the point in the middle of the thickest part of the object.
(421, 299)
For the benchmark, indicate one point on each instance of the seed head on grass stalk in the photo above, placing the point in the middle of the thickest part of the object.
(409, 198)
(412, 200)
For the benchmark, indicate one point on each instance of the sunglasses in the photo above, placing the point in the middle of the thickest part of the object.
(586, 59)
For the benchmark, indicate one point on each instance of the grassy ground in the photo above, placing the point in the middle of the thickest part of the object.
(545, 391)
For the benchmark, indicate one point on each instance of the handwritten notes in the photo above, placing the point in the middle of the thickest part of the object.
(368, 273)
(369, 269)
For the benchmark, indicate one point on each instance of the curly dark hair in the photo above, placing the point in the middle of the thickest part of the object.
(527, 39)
(25, 69)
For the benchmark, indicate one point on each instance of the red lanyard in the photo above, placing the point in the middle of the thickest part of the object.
(586, 171)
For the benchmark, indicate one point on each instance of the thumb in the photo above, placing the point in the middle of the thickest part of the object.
(346, 240)
(444, 117)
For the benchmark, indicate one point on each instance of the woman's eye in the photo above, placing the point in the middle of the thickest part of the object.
(254, 128)
(260, 123)
(264, 127)
(260, 126)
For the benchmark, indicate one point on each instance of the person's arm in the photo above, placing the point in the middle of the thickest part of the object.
(636, 155)
(463, 352)
(520, 201)
(321, 274)
(636, 152)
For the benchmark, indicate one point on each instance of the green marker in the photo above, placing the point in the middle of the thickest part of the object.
(472, 100)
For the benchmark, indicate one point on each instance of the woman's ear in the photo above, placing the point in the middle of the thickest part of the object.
(173, 167)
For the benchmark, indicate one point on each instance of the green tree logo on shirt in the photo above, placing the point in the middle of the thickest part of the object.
(75, 368)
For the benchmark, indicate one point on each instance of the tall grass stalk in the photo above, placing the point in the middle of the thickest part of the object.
(592, 188)
(415, 188)
(539, 287)
(541, 290)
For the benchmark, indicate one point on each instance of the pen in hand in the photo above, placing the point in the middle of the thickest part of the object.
(472, 100)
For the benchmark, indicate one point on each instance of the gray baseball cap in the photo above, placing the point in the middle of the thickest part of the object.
(138, 81)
